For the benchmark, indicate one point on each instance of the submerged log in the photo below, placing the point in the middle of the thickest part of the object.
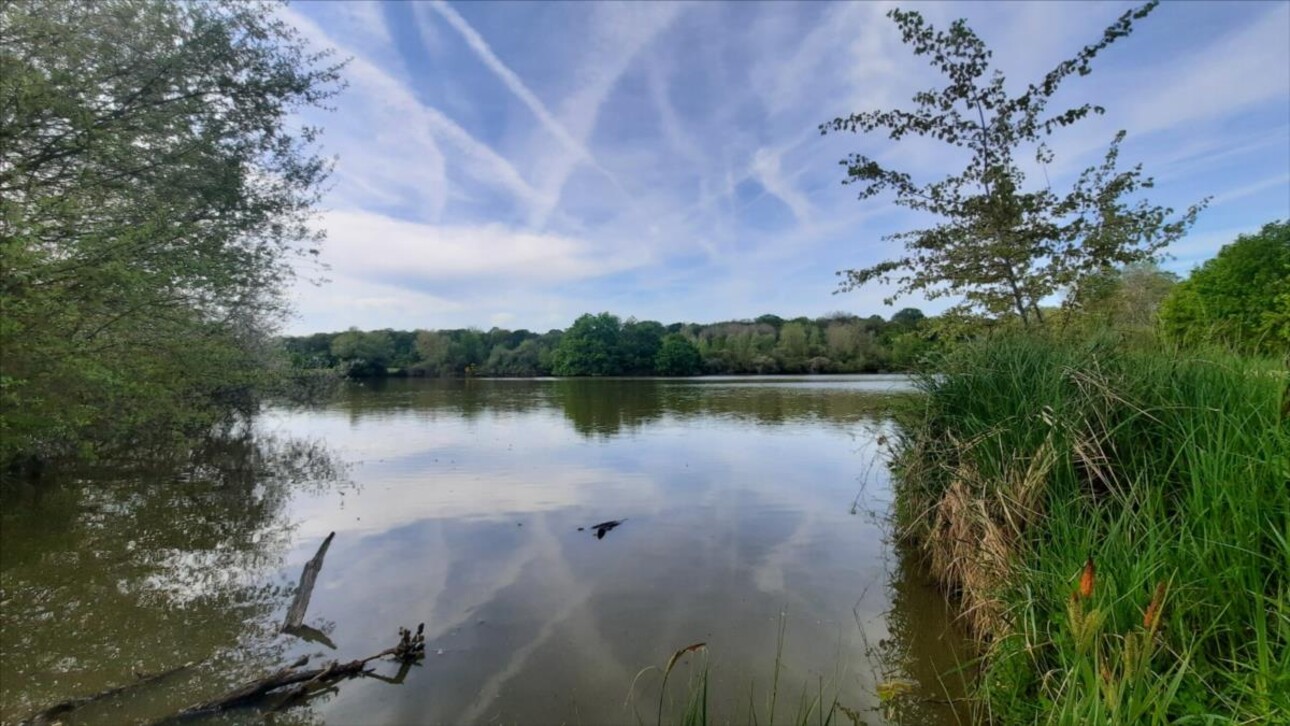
(51, 715)
(411, 647)
(296, 613)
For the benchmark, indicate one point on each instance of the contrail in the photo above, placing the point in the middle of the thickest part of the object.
(516, 86)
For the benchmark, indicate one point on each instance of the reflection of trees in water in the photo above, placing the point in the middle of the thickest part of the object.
(607, 406)
(924, 646)
(456, 398)
(107, 571)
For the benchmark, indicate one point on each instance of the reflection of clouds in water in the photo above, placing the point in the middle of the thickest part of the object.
(769, 573)
(397, 433)
(484, 494)
(723, 524)
(593, 648)
(737, 501)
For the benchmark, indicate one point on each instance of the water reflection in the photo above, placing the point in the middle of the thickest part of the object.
(608, 407)
(924, 644)
(105, 574)
(729, 503)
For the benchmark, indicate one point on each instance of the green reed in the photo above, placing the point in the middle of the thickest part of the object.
(1030, 457)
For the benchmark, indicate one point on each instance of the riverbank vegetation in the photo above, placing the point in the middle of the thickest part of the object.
(605, 345)
(1102, 488)
(1164, 472)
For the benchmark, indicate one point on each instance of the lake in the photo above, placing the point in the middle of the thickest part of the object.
(753, 519)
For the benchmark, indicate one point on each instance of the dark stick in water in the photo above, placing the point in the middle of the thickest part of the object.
(296, 613)
(411, 647)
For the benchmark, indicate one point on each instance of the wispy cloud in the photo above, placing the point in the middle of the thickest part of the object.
(490, 254)
(1247, 66)
(521, 163)
(387, 116)
(513, 82)
(1280, 182)
(766, 169)
(618, 33)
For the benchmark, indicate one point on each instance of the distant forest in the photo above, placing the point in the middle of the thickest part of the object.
(605, 345)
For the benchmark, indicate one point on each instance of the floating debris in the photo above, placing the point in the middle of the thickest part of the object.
(604, 527)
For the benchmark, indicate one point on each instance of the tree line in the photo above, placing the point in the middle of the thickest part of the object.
(606, 345)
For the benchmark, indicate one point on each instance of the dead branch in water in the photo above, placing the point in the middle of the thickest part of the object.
(296, 613)
(51, 715)
(411, 648)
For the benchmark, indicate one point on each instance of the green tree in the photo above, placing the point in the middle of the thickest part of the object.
(432, 352)
(1003, 247)
(793, 347)
(364, 354)
(1126, 298)
(908, 318)
(1241, 297)
(678, 357)
(524, 359)
(154, 191)
(590, 347)
(640, 343)
(311, 351)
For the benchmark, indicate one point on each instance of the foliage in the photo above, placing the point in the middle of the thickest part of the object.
(153, 194)
(1125, 298)
(1030, 455)
(601, 345)
(1239, 298)
(590, 347)
(678, 357)
(365, 354)
(640, 344)
(1003, 246)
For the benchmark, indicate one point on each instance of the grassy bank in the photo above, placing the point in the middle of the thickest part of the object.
(1115, 524)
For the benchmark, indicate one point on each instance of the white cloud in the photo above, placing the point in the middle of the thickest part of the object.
(388, 139)
(1246, 67)
(708, 116)
(619, 31)
(373, 246)
(852, 59)
(766, 169)
(512, 81)
(345, 301)
(1281, 181)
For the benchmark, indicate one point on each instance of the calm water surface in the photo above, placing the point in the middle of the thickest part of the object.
(747, 503)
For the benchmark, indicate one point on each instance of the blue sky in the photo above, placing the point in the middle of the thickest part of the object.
(518, 164)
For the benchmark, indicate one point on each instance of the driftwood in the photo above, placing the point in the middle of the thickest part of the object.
(307, 682)
(411, 648)
(296, 613)
(51, 715)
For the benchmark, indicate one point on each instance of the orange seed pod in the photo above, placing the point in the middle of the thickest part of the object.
(1086, 580)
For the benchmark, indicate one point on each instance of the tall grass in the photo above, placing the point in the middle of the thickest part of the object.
(1117, 525)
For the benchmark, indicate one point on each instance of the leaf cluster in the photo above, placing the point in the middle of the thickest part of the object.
(155, 188)
(1002, 245)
